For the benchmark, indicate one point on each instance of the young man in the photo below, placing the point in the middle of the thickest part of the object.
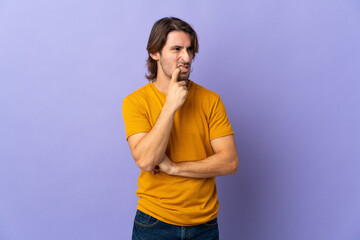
(180, 137)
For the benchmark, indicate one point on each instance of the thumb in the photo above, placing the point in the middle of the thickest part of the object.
(175, 75)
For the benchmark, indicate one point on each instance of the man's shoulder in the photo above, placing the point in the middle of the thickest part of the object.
(140, 93)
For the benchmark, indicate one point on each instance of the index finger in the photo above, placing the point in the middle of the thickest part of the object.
(175, 75)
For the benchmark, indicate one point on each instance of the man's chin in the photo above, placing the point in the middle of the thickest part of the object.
(183, 78)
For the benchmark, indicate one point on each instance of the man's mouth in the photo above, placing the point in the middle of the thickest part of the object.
(183, 68)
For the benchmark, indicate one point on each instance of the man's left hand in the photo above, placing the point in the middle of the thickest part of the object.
(167, 166)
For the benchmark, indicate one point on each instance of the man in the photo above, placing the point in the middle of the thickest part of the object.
(180, 137)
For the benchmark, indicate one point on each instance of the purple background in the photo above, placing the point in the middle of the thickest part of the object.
(288, 73)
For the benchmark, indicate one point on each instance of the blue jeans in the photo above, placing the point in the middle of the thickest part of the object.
(147, 227)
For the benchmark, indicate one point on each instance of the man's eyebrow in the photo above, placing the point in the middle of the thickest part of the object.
(177, 46)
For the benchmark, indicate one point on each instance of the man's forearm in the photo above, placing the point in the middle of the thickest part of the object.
(218, 164)
(213, 166)
(149, 151)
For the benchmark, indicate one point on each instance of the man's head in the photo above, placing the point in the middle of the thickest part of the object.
(171, 42)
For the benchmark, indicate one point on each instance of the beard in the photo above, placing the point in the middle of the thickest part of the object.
(184, 76)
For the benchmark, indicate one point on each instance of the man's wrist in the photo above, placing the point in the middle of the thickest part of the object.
(175, 169)
(168, 109)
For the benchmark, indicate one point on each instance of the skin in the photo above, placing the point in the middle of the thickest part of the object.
(148, 149)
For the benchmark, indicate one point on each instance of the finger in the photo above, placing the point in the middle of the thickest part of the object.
(175, 75)
(182, 83)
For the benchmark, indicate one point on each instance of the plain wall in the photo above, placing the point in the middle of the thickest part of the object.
(287, 71)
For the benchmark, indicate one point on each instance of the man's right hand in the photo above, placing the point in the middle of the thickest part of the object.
(177, 92)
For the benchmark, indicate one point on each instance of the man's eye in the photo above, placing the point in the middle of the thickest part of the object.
(190, 49)
(177, 49)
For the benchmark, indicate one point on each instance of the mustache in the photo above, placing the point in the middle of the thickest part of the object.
(184, 63)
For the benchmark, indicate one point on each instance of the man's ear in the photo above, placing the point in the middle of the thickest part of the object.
(155, 56)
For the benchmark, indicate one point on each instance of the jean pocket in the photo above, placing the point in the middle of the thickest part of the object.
(144, 220)
(211, 223)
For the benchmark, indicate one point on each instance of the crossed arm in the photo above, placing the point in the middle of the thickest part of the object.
(223, 162)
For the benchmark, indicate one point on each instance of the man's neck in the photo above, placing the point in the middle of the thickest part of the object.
(162, 85)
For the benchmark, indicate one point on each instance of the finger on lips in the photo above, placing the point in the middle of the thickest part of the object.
(175, 74)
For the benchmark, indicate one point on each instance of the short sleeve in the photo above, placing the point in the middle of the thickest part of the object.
(135, 117)
(219, 123)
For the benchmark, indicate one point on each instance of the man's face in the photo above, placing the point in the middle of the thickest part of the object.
(176, 53)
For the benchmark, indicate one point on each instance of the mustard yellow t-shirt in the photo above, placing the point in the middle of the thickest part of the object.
(202, 118)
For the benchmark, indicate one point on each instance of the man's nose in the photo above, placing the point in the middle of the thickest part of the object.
(185, 55)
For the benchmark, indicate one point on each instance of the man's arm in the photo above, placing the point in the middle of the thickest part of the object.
(223, 162)
(148, 149)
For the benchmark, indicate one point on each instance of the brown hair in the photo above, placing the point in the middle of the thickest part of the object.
(158, 36)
